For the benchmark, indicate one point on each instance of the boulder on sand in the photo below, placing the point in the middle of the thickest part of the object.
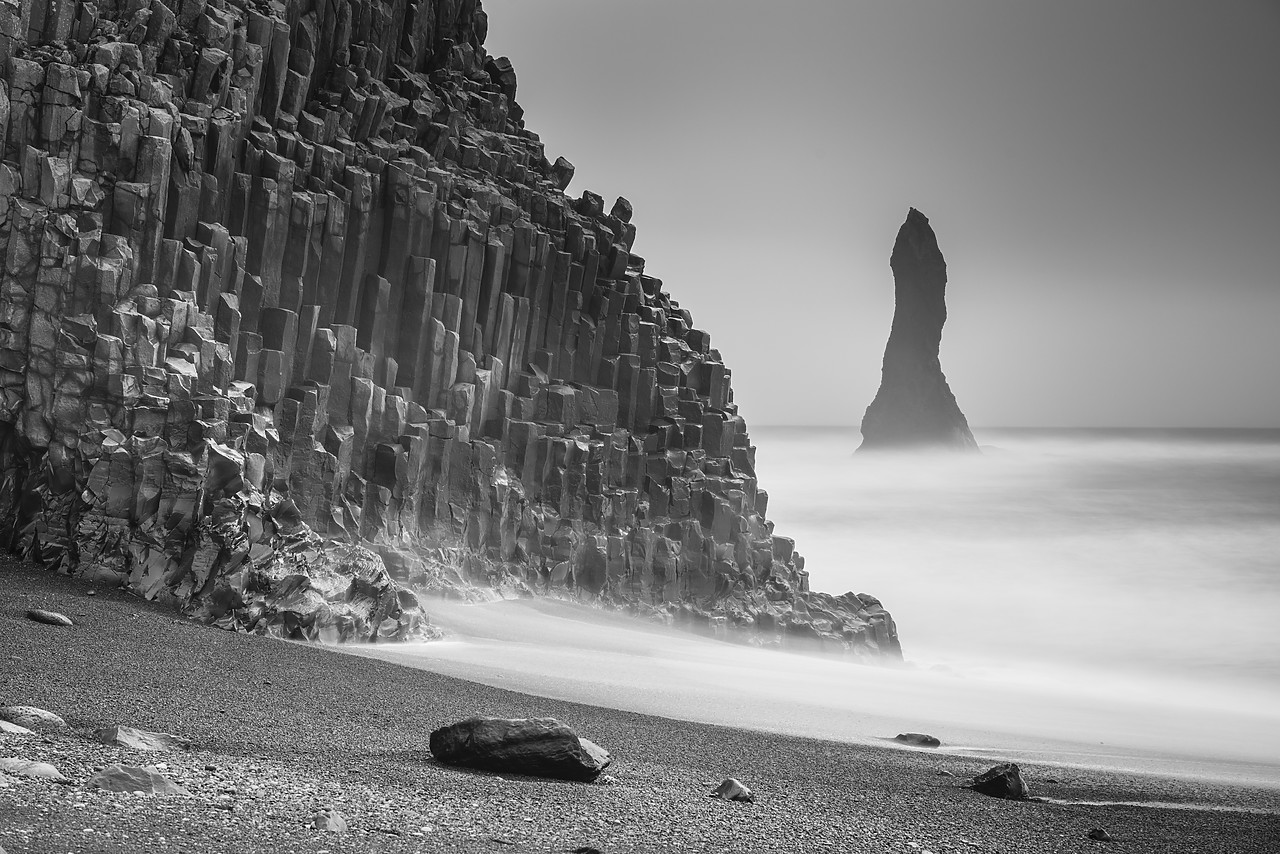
(539, 747)
(1002, 781)
(917, 739)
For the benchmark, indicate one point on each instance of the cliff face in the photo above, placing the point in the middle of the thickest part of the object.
(296, 318)
(915, 407)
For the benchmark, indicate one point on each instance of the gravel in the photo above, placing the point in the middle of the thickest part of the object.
(282, 734)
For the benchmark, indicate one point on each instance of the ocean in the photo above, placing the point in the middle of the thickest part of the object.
(1097, 598)
(1125, 553)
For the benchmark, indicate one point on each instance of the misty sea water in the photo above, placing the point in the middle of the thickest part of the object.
(1126, 554)
(1096, 598)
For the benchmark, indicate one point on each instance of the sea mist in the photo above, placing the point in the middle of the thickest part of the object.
(1106, 599)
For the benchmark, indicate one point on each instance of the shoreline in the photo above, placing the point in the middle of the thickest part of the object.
(289, 728)
(561, 649)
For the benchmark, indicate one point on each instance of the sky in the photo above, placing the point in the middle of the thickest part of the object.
(1103, 178)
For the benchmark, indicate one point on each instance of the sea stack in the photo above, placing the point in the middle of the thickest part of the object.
(915, 407)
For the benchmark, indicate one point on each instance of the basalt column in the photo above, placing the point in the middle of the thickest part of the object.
(915, 407)
(297, 321)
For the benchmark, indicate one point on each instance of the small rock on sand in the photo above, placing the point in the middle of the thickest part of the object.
(32, 718)
(732, 790)
(140, 739)
(51, 618)
(34, 770)
(330, 819)
(131, 778)
(1100, 835)
(917, 739)
(1002, 781)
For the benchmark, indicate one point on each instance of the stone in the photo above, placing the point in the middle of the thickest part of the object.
(32, 718)
(1099, 835)
(33, 770)
(132, 778)
(1001, 781)
(915, 407)
(51, 618)
(538, 747)
(330, 819)
(140, 739)
(732, 790)
(7, 728)
(294, 304)
(917, 739)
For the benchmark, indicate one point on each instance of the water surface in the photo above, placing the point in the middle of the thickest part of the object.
(1107, 599)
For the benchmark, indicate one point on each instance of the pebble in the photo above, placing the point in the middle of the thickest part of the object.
(733, 790)
(51, 618)
(330, 819)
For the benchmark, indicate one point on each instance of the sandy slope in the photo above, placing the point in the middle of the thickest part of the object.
(280, 730)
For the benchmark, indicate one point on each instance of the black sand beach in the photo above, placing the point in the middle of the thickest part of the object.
(281, 730)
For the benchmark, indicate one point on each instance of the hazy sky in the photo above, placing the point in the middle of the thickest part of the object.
(1103, 177)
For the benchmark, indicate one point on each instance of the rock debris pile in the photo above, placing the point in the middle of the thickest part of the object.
(296, 319)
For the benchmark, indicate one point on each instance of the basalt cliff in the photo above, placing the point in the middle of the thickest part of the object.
(297, 322)
(915, 407)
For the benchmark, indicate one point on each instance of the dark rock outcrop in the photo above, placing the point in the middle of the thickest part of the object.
(296, 318)
(914, 407)
(1002, 781)
(918, 739)
(539, 747)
